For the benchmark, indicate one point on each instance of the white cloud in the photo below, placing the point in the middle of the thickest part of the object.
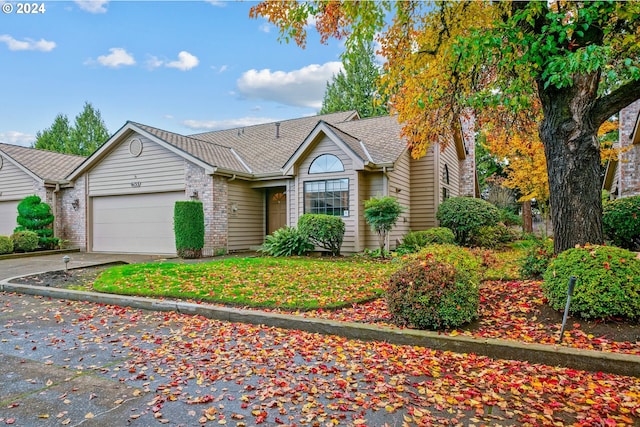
(92, 6)
(27, 44)
(117, 58)
(186, 61)
(221, 69)
(208, 125)
(301, 88)
(265, 27)
(17, 138)
(154, 62)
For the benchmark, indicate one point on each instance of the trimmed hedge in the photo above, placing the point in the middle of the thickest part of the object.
(25, 241)
(465, 215)
(608, 282)
(188, 226)
(35, 215)
(286, 241)
(6, 245)
(416, 240)
(326, 231)
(621, 222)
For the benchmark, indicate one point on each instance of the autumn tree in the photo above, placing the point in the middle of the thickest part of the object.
(566, 66)
(83, 138)
(355, 88)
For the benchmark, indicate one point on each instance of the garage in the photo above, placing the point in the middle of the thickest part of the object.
(135, 223)
(8, 215)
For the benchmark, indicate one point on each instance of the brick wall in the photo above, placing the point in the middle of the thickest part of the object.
(71, 217)
(468, 165)
(628, 166)
(220, 216)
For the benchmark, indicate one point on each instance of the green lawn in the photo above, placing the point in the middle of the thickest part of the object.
(291, 283)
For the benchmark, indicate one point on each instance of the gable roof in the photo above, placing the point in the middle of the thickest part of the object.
(44, 165)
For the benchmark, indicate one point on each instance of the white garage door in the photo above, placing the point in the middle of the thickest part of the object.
(141, 223)
(8, 215)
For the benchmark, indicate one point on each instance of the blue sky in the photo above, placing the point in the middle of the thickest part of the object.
(183, 66)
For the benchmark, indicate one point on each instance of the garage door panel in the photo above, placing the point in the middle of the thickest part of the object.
(8, 215)
(141, 223)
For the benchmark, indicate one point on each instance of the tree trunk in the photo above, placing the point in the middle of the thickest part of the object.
(527, 220)
(571, 146)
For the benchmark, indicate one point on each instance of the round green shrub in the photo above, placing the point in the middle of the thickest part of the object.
(416, 240)
(492, 236)
(464, 215)
(25, 241)
(326, 231)
(35, 215)
(188, 226)
(621, 222)
(537, 258)
(431, 294)
(286, 241)
(607, 285)
(6, 245)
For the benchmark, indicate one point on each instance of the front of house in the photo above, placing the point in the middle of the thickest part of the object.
(256, 179)
(622, 177)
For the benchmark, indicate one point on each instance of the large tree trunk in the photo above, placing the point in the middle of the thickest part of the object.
(571, 146)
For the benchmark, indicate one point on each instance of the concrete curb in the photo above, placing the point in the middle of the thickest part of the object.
(589, 360)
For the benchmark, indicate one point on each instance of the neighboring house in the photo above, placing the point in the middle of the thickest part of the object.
(27, 171)
(622, 177)
(256, 179)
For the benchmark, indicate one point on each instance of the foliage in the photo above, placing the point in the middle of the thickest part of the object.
(432, 294)
(83, 138)
(492, 236)
(355, 87)
(188, 226)
(607, 285)
(621, 222)
(509, 218)
(286, 241)
(547, 74)
(35, 215)
(416, 240)
(292, 283)
(6, 245)
(326, 231)
(382, 214)
(464, 215)
(25, 241)
(537, 258)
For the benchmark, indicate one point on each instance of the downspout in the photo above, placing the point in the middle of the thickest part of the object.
(55, 209)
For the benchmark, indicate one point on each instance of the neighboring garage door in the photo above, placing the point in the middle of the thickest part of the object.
(8, 215)
(141, 223)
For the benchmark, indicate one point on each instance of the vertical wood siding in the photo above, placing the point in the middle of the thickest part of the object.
(371, 185)
(246, 216)
(326, 146)
(399, 187)
(156, 169)
(423, 186)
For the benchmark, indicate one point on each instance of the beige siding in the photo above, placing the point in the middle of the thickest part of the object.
(423, 191)
(156, 169)
(372, 184)
(15, 184)
(246, 216)
(326, 146)
(449, 157)
(399, 186)
(8, 215)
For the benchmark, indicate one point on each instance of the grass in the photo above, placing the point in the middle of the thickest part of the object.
(290, 283)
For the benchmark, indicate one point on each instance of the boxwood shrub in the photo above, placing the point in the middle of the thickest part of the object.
(188, 226)
(25, 241)
(608, 282)
(326, 231)
(621, 222)
(286, 241)
(464, 215)
(6, 245)
(436, 289)
(35, 215)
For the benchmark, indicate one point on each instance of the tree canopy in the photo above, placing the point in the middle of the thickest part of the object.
(355, 88)
(553, 70)
(83, 138)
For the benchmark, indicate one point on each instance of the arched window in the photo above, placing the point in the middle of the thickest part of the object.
(326, 163)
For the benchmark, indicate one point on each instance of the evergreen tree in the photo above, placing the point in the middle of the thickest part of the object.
(87, 134)
(355, 87)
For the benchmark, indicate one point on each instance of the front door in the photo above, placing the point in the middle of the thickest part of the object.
(277, 209)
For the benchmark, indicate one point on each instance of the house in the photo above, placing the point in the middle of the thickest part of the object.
(27, 171)
(256, 179)
(622, 177)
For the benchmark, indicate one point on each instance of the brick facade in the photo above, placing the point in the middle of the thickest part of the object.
(468, 165)
(198, 182)
(71, 215)
(628, 174)
(220, 214)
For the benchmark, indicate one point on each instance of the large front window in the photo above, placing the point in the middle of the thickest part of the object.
(330, 197)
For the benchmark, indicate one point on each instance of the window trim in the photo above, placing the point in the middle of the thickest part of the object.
(325, 155)
(344, 209)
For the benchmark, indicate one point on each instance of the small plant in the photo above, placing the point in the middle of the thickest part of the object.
(509, 218)
(35, 215)
(188, 226)
(416, 240)
(464, 215)
(608, 282)
(25, 241)
(538, 256)
(382, 214)
(326, 231)
(428, 293)
(492, 236)
(621, 222)
(286, 241)
(6, 245)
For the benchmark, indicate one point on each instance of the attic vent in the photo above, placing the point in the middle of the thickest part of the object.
(277, 129)
(135, 147)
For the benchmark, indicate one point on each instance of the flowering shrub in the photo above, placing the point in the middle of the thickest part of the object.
(608, 282)
(537, 259)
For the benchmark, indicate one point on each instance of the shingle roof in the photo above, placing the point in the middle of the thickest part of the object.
(47, 165)
(380, 136)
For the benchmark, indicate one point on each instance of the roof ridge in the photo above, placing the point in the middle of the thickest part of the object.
(191, 137)
(22, 147)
